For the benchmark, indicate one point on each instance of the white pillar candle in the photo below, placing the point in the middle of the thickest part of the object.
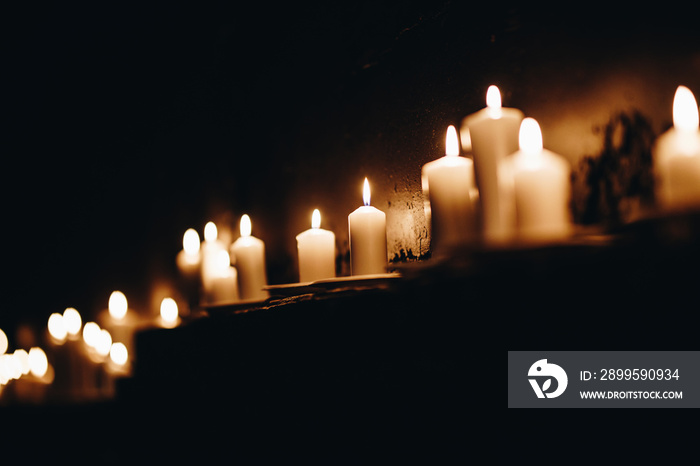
(542, 188)
(493, 132)
(188, 259)
(249, 255)
(316, 251)
(210, 249)
(224, 283)
(367, 227)
(448, 184)
(677, 155)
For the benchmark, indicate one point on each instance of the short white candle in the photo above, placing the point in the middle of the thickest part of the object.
(494, 136)
(224, 282)
(316, 251)
(188, 259)
(542, 188)
(249, 255)
(448, 183)
(367, 227)
(677, 155)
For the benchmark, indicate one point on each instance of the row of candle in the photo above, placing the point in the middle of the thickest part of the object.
(513, 188)
(83, 359)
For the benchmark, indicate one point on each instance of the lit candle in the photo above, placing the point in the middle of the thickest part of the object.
(493, 132)
(542, 188)
(249, 255)
(188, 259)
(169, 313)
(677, 155)
(210, 249)
(448, 184)
(316, 250)
(224, 282)
(119, 321)
(367, 227)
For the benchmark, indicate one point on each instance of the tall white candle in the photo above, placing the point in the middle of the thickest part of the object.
(448, 183)
(677, 155)
(494, 136)
(249, 255)
(210, 248)
(367, 227)
(542, 188)
(316, 251)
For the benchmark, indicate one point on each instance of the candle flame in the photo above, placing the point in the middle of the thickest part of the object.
(3, 342)
(72, 321)
(22, 357)
(365, 192)
(117, 305)
(190, 241)
(451, 141)
(103, 343)
(246, 225)
(56, 327)
(493, 97)
(685, 110)
(316, 219)
(118, 353)
(530, 136)
(90, 333)
(210, 232)
(38, 362)
(168, 307)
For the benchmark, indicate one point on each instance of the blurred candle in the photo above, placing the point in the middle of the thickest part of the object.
(316, 251)
(448, 183)
(188, 259)
(210, 249)
(249, 255)
(367, 228)
(224, 282)
(677, 155)
(542, 187)
(169, 313)
(119, 320)
(3, 342)
(493, 132)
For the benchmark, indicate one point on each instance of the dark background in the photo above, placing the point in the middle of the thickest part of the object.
(125, 123)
